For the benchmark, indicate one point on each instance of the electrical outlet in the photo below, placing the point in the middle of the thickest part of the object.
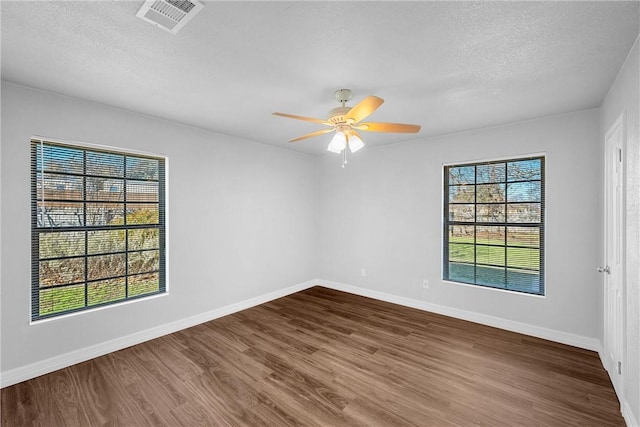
(425, 284)
(363, 272)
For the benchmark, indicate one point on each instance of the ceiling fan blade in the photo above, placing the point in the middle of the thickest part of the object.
(388, 127)
(311, 135)
(363, 108)
(306, 119)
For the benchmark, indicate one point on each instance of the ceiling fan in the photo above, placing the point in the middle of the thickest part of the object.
(346, 122)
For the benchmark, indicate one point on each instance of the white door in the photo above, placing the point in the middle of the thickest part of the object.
(613, 269)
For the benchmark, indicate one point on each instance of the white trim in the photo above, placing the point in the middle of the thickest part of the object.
(625, 409)
(484, 319)
(33, 370)
(619, 124)
(514, 157)
(58, 362)
(38, 322)
(628, 414)
(90, 145)
(508, 291)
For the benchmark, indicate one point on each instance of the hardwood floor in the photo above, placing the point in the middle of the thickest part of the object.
(326, 358)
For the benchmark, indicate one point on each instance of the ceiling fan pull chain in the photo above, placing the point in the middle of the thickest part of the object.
(344, 157)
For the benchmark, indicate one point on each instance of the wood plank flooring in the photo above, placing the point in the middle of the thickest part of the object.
(325, 358)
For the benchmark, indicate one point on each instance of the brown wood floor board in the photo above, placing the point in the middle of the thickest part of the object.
(325, 358)
(306, 411)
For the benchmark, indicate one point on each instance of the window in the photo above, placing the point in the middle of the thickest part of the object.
(494, 224)
(97, 227)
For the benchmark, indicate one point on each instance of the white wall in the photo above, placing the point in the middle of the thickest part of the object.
(258, 203)
(384, 213)
(623, 97)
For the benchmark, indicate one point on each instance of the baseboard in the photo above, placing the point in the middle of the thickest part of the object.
(485, 319)
(33, 370)
(58, 362)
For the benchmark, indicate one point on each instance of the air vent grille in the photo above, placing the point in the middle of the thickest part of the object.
(170, 15)
(183, 5)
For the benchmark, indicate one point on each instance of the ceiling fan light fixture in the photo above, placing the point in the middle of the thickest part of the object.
(338, 143)
(355, 143)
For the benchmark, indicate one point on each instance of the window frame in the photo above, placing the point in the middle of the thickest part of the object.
(541, 225)
(37, 230)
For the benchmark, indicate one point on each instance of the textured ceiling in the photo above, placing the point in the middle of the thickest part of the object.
(448, 66)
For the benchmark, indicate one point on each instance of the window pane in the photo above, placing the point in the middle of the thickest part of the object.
(105, 189)
(59, 159)
(523, 281)
(523, 258)
(490, 213)
(59, 187)
(461, 233)
(493, 255)
(464, 213)
(460, 272)
(105, 164)
(103, 266)
(490, 276)
(524, 170)
(524, 191)
(462, 175)
(142, 213)
(53, 245)
(461, 252)
(462, 194)
(144, 261)
(106, 291)
(523, 236)
(105, 214)
(494, 172)
(141, 168)
(59, 214)
(523, 212)
(105, 241)
(144, 238)
(61, 271)
(490, 193)
(144, 284)
(61, 299)
(490, 235)
(142, 191)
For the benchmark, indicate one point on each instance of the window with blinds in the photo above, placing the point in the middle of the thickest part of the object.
(494, 224)
(98, 227)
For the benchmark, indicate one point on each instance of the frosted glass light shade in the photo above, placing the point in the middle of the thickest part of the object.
(355, 143)
(338, 143)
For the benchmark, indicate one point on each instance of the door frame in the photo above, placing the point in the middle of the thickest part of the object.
(619, 385)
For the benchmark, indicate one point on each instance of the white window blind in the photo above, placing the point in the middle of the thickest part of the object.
(494, 224)
(98, 227)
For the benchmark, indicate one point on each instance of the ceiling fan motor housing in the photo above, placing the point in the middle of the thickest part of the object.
(336, 115)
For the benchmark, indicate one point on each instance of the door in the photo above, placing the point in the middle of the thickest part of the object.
(613, 269)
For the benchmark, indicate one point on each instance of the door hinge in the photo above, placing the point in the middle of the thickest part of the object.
(620, 155)
(620, 368)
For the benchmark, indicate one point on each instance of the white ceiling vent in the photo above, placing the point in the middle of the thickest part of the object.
(170, 15)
